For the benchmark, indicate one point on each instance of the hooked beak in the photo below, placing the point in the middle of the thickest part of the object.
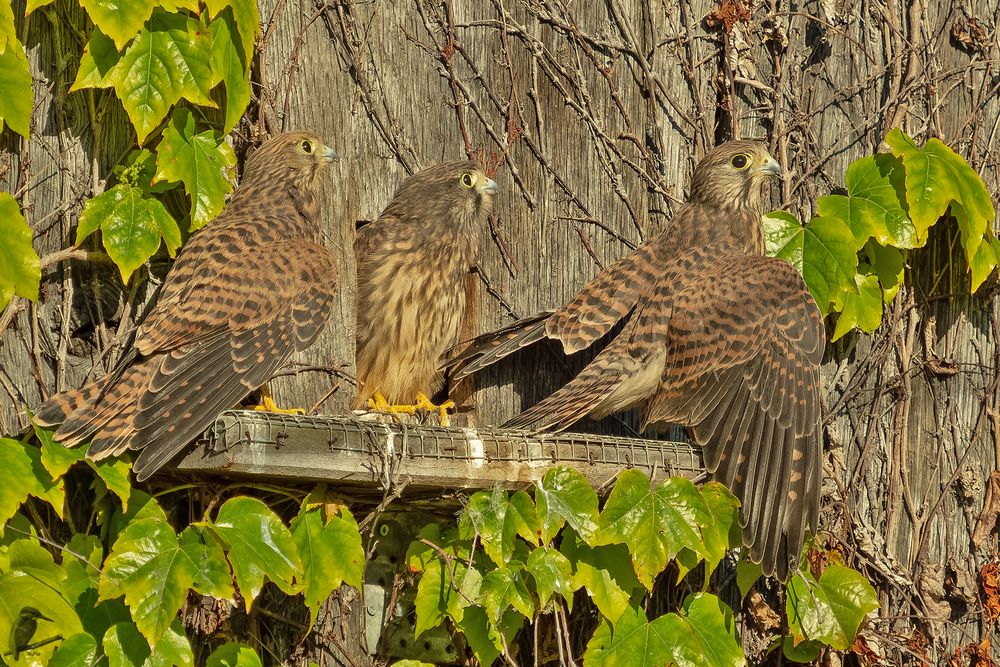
(328, 155)
(490, 186)
(772, 168)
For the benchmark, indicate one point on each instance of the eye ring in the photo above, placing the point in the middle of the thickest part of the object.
(741, 161)
(468, 179)
(306, 147)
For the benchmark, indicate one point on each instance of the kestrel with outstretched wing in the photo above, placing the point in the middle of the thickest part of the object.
(715, 337)
(246, 292)
(412, 263)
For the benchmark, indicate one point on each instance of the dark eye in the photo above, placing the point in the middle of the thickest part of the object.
(740, 161)
(468, 179)
(306, 146)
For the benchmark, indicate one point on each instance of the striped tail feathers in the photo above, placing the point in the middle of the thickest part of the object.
(472, 356)
(62, 406)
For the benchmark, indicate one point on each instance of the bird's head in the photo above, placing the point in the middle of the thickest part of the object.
(288, 163)
(732, 176)
(458, 191)
(30, 614)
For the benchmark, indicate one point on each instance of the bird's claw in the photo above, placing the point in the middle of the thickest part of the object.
(267, 404)
(378, 403)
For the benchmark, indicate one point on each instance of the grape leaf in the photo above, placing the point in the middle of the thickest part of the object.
(938, 181)
(830, 610)
(565, 496)
(74, 651)
(15, 89)
(97, 63)
(436, 596)
(170, 59)
(154, 571)
(824, 252)
(655, 523)
(233, 655)
(504, 588)
(499, 519)
(131, 225)
(25, 475)
(871, 207)
(861, 308)
(553, 573)
(125, 647)
(8, 33)
(119, 19)
(231, 64)
(20, 589)
(200, 161)
(258, 545)
(20, 270)
(331, 554)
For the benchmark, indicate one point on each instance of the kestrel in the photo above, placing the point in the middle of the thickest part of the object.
(412, 264)
(715, 337)
(246, 292)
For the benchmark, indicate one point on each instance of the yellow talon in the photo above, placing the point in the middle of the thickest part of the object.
(378, 403)
(267, 404)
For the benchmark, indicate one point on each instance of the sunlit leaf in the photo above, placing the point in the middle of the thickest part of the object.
(201, 161)
(830, 610)
(25, 475)
(232, 65)
(125, 647)
(888, 264)
(19, 590)
(499, 519)
(170, 59)
(824, 252)
(871, 207)
(606, 572)
(79, 650)
(56, 458)
(97, 62)
(212, 575)
(553, 573)
(437, 596)
(131, 225)
(861, 309)
(233, 655)
(565, 496)
(20, 271)
(723, 531)
(331, 553)
(8, 33)
(504, 588)
(15, 90)
(115, 475)
(153, 570)
(655, 523)
(119, 19)
(258, 545)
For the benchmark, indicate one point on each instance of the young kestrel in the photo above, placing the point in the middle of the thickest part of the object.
(716, 337)
(245, 293)
(412, 264)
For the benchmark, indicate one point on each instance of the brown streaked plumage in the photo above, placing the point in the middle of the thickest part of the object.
(245, 293)
(716, 337)
(412, 264)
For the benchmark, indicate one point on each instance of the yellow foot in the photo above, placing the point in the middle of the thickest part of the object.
(424, 403)
(378, 403)
(267, 404)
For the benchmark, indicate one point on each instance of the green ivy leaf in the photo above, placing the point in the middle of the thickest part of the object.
(436, 596)
(499, 519)
(125, 647)
(8, 33)
(606, 572)
(939, 180)
(115, 475)
(20, 271)
(655, 524)
(258, 545)
(723, 531)
(504, 588)
(331, 553)
(712, 623)
(247, 18)
(231, 64)
(15, 89)
(486, 639)
(824, 252)
(153, 570)
(82, 565)
(79, 650)
(32, 5)
(119, 19)
(747, 574)
(862, 309)
(985, 260)
(97, 63)
(233, 654)
(871, 207)
(805, 652)
(565, 496)
(131, 226)
(56, 458)
(212, 574)
(830, 610)
(200, 161)
(553, 573)
(168, 60)
(29, 557)
(888, 264)
(25, 475)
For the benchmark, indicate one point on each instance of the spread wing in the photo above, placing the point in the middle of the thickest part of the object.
(231, 314)
(742, 371)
